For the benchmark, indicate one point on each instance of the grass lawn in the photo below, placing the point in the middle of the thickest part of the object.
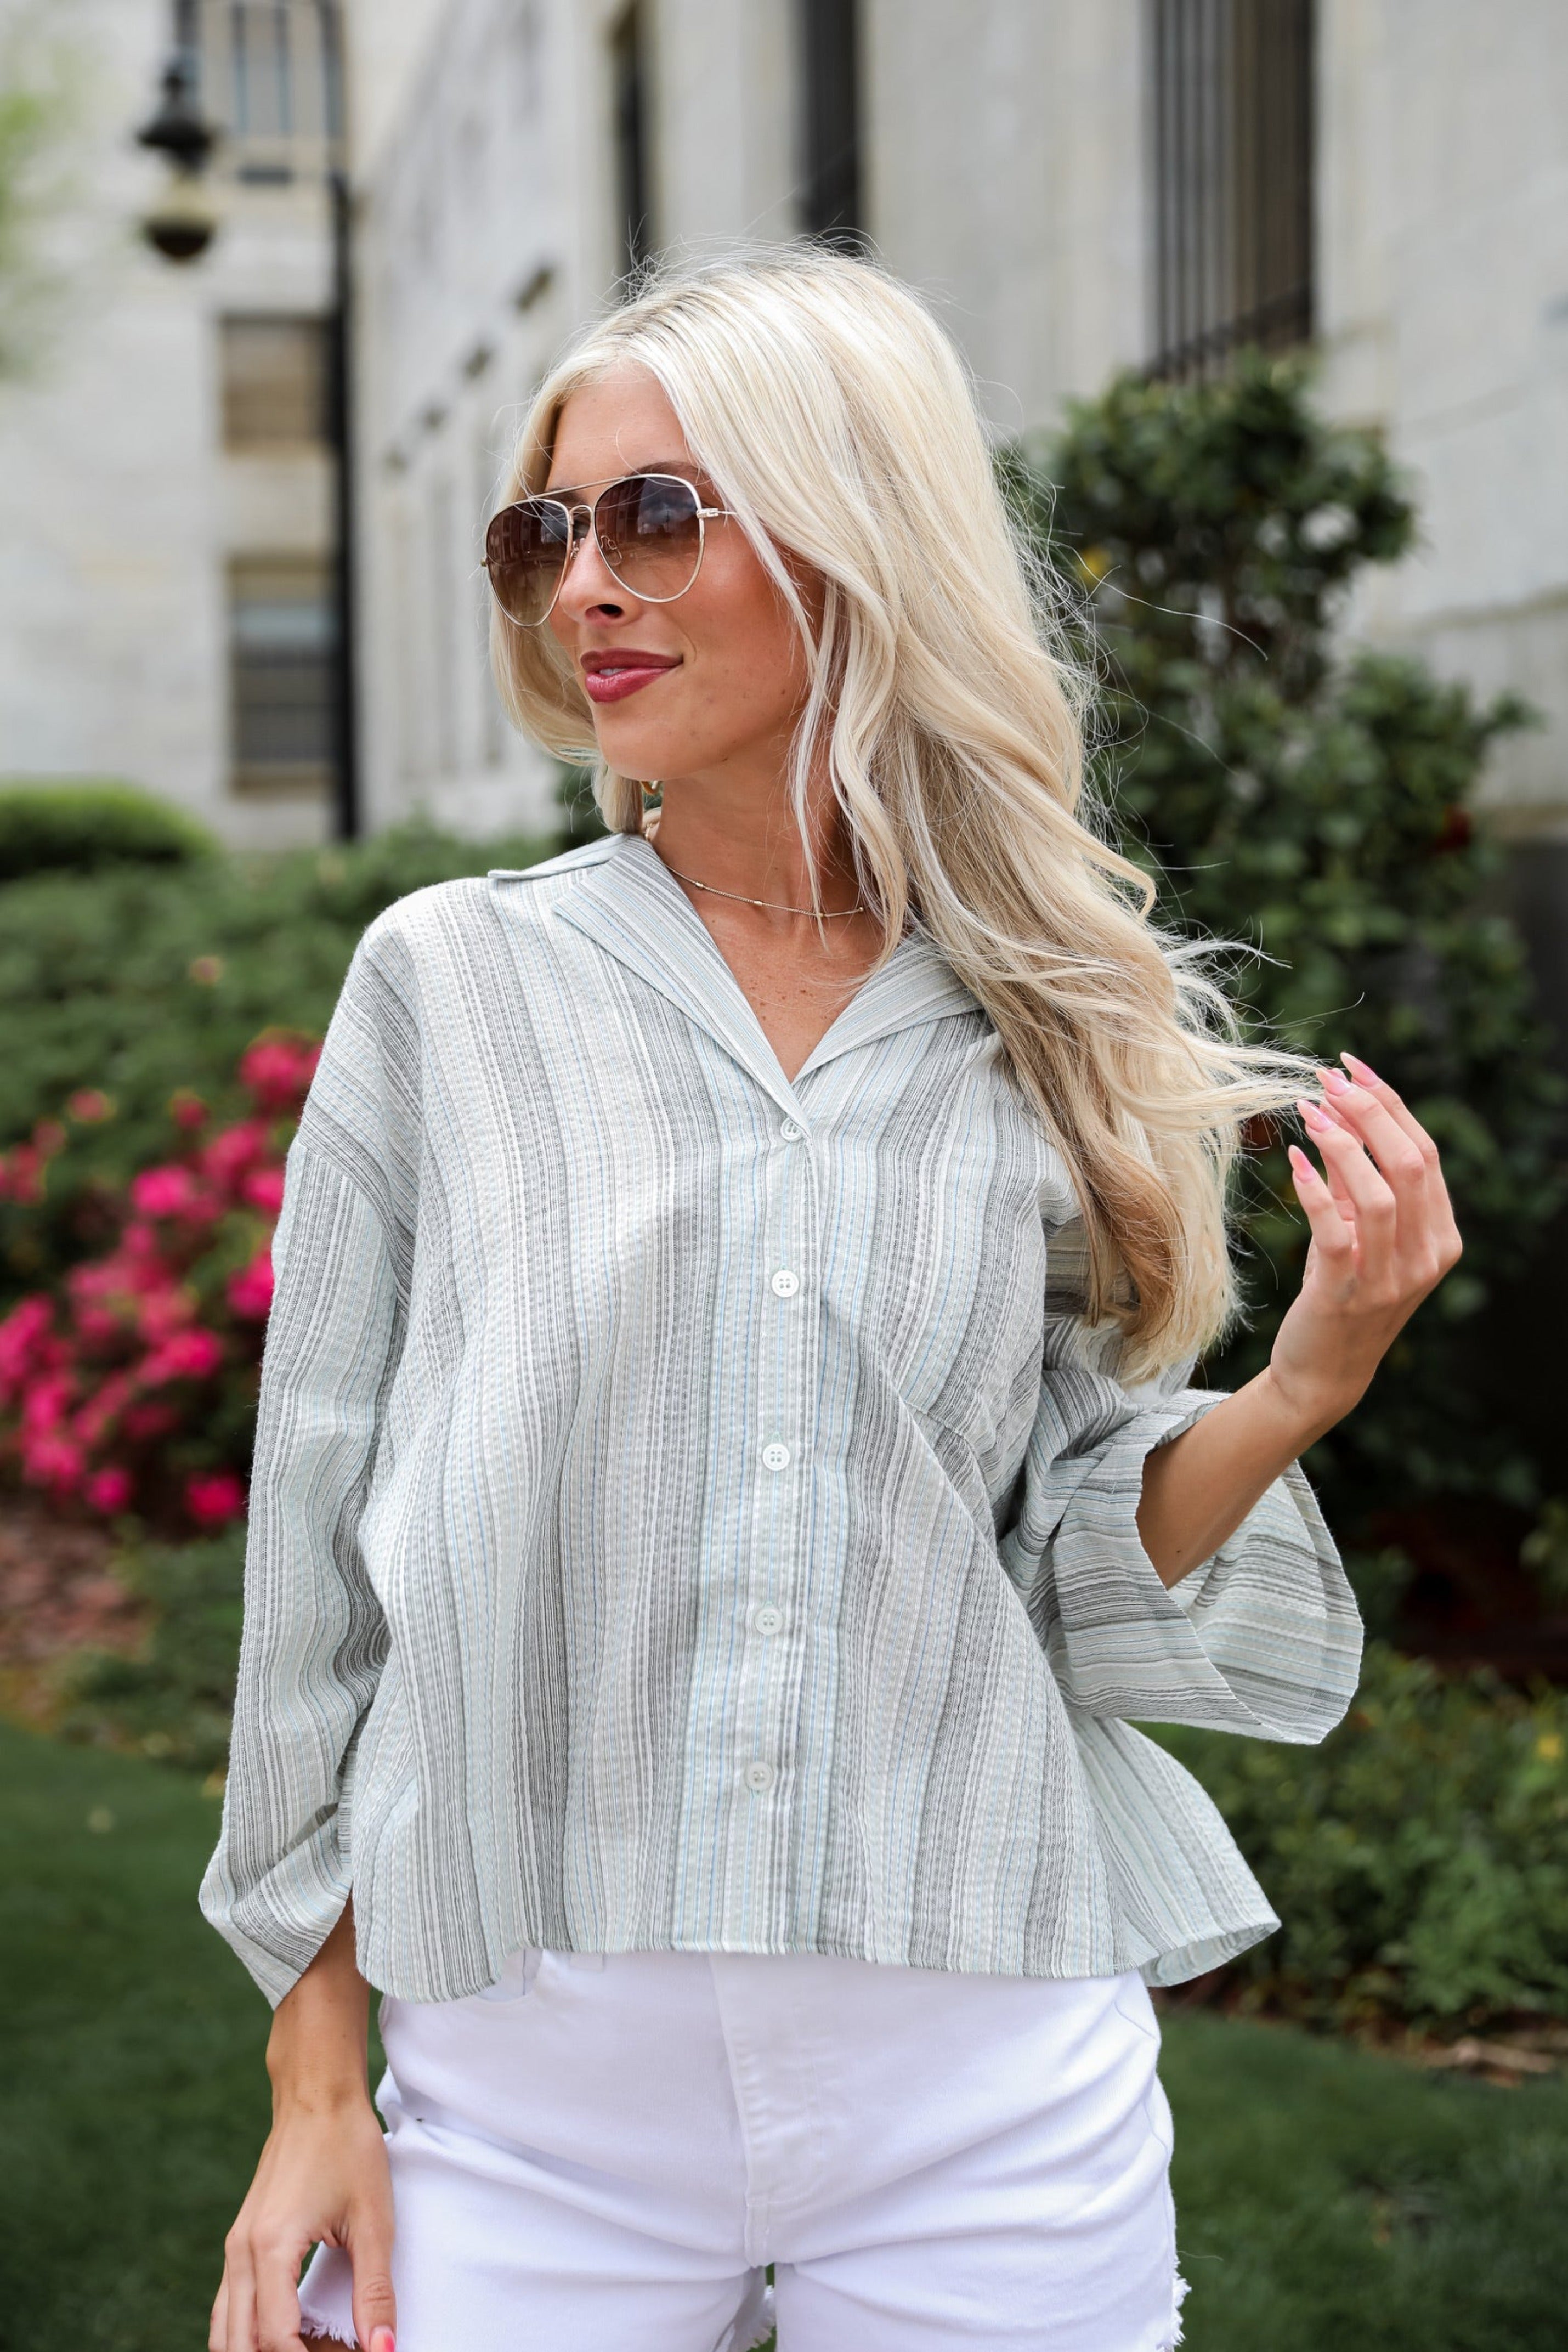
(1327, 2200)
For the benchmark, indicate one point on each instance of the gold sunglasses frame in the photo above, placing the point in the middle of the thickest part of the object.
(572, 508)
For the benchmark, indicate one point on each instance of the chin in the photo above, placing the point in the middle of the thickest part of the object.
(643, 752)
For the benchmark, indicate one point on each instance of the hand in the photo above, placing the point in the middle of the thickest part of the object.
(1383, 1237)
(323, 2177)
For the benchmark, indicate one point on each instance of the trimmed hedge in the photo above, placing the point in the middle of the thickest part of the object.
(82, 828)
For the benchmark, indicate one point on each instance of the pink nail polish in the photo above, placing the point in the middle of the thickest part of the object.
(1313, 1114)
(1360, 1069)
(1335, 1081)
(1302, 1164)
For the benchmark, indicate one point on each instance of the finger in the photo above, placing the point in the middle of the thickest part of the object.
(1397, 1152)
(375, 2305)
(239, 2334)
(1447, 1226)
(1332, 1233)
(1360, 1191)
(1330, 1171)
(1367, 1079)
(218, 2325)
(1428, 1237)
(278, 2261)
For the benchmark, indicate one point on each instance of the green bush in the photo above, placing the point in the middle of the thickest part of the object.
(1318, 808)
(127, 987)
(1419, 1858)
(174, 1700)
(81, 828)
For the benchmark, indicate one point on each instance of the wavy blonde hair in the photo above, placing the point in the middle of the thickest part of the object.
(836, 420)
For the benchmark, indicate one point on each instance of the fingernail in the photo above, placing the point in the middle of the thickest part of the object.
(382, 2340)
(1359, 1069)
(1313, 1113)
(1302, 1164)
(1335, 1081)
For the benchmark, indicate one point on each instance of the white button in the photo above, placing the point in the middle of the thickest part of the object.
(776, 1455)
(785, 1284)
(760, 1776)
(792, 1131)
(769, 1621)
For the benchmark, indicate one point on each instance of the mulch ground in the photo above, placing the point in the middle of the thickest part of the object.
(58, 1595)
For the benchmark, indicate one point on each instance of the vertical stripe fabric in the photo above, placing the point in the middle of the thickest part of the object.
(688, 1512)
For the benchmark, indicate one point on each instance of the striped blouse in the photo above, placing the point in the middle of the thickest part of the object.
(688, 1511)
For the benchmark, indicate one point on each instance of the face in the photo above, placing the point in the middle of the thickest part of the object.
(708, 684)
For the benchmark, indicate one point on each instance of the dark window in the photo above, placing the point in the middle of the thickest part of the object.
(271, 75)
(274, 382)
(629, 89)
(1231, 129)
(283, 674)
(830, 122)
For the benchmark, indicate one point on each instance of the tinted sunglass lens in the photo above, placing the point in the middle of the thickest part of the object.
(650, 534)
(526, 549)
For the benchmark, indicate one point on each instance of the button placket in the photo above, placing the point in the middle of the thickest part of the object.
(771, 1655)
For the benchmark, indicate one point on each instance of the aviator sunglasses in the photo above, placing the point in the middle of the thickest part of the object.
(648, 529)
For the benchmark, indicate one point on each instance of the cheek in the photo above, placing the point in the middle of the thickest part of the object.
(753, 645)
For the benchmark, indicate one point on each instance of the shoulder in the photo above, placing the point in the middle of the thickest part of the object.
(529, 895)
(443, 916)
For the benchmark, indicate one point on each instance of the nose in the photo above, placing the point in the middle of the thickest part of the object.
(589, 589)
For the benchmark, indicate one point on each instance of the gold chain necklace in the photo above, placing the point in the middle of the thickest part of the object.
(829, 914)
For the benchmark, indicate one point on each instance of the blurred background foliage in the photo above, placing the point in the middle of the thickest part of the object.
(1314, 804)
(140, 975)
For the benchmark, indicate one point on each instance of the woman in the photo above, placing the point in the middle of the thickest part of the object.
(725, 1479)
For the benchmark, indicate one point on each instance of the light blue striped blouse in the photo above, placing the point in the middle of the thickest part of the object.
(688, 1511)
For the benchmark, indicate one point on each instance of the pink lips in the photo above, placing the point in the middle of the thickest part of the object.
(612, 677)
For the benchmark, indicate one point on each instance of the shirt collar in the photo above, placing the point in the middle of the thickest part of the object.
(627, 901)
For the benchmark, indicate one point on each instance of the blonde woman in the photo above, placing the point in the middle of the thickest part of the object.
(725, 1483)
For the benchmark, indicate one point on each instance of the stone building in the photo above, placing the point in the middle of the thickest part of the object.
(1137, 182)
(167, 489)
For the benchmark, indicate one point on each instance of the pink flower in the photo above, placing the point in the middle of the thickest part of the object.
(163, 1310)
(108, 1490)
(51, 1460)
(149, 1420)
(186, 1108)
(250, 1290)
(49, 1137)
(213, 1496)
(22, 1335)
(277, 1071)
(89, 1104)
(46, 1402)
(167, 1191)
(21, 1173)
(224, 1158)
(188, 1355)
(94, 1419)
(263, 1188)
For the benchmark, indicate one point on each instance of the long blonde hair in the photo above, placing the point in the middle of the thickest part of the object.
(836, 420)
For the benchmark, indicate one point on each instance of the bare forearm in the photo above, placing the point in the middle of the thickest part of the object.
(1199, 1488)
(316, 2052)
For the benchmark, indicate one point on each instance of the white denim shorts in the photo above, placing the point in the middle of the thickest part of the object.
(604, 2155)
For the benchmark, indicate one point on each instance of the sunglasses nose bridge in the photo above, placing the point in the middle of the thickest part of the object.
(583, 529)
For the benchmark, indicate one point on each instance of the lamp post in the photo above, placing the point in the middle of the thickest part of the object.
(182, 227)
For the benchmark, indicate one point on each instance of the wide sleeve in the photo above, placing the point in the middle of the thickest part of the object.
(314, 1639)
(1264, 1637)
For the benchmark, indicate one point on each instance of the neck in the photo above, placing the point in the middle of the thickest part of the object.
(739, 835)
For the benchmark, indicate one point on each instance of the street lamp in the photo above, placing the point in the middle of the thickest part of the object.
(181, 226)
